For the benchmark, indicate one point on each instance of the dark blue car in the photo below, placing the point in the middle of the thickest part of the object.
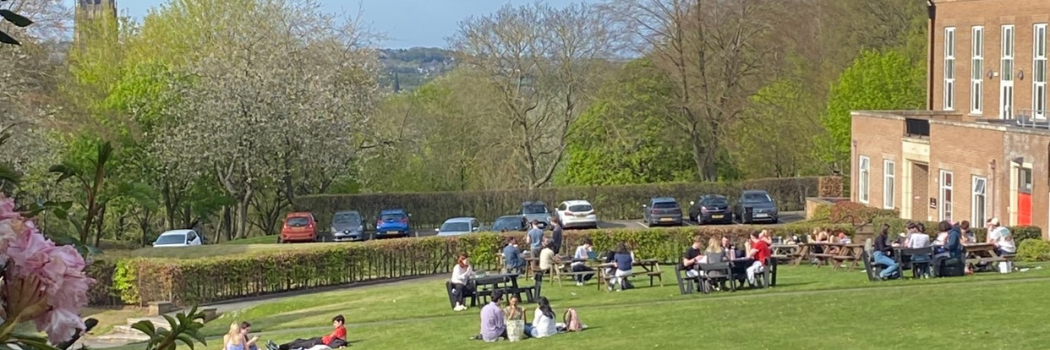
(392, 223)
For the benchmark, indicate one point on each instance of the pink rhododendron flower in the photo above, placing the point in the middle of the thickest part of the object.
(30, 251)
(60, 324)
(7, 208)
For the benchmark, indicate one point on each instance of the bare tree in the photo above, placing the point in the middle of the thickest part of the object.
(711, 50)
(545, 65)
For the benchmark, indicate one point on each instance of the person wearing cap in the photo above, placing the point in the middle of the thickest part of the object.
(492, 325)
(1001, 237)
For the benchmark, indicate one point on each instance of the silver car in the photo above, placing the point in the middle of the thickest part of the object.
(347, 226)
(537, 211)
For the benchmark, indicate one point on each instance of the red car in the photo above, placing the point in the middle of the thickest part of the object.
(298, 227)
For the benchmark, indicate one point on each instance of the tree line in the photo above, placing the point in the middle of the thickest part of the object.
(218, 114)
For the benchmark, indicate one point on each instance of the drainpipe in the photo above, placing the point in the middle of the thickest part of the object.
(931, 13)
(992, 186)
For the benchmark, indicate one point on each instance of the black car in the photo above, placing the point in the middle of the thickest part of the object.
(761, 205)
(510, 223)
(710, 208)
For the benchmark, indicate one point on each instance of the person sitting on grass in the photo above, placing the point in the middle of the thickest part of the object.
(512, 259)
(760, 252)
(583, 252)
(234, 339)
(514, 318)
(543, 323)
(336, 339)
(492, 326)
(249, 342)
(461, 275)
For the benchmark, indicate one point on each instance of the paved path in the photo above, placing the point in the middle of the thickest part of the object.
(715, 298)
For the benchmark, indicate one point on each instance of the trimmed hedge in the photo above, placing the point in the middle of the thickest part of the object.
(187, 281)
(897, 225)
(611, 202)
(1033, 250)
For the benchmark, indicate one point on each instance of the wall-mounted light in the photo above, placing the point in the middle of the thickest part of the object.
(991, 74)
(1020, 74)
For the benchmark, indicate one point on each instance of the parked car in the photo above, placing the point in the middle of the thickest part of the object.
(459, 226)
(348, 226)
(710, 208)
(577, 214)
(536, 210)
(298, 227)
(510, 223)
(763, 207)
(392, 223)
(178, 238)
(662, 211)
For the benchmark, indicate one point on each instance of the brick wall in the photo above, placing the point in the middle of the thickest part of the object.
(991, 14)
(879, 139)
(964, 150)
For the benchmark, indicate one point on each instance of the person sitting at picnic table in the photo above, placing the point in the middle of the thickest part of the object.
(512, 259)
(548, 259)
(693, 257)
(916, 239)
(492, 320)
(1001, 237)
(760, 252)
(582, 254)
(543, 322)
(514, 318)
(623, 260)
(461, 275)
(765, 236)
(248, 342)
(336, 339)
(882, 252)
(969, 237)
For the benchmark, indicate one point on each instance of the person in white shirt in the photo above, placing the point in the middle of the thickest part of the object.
(583, 253)
(918, 239)
(1001, 237)
(548, 259)
(462, 273)
(543, 323)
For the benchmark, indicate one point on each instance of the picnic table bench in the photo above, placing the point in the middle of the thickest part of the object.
(984, 253)
(650, 267)
(786, 252)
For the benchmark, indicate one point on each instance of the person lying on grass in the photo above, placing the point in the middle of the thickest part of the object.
(336, 339)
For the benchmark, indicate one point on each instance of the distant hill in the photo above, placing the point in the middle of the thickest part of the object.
(407, 69)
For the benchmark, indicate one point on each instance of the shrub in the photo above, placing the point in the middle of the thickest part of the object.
(1020, 233)
(857, 214)
(1033, 250)
(611, 202)
(187, 281)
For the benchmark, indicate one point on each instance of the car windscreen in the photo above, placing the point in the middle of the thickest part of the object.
(665, 205)
(455, 227)
(346, 219)
(511, 224)
(298, 221)
(756, 198)
(716, 202)
(392, 217)
(534, 209)
(580, 208)
(178, 238)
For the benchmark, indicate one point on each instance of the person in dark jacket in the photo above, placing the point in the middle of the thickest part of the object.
(556, 234)
(882, 252)
(954, 245)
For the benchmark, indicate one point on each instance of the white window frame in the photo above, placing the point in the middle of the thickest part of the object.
(977, 70)
(864, 179)
(889, 173)
(979, 201)
(1039, 71)
(945, 207)
(949, 68)
(1006, 75)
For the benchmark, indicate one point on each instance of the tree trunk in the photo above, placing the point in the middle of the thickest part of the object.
(99, 223)
(242, 214)
(227, 224)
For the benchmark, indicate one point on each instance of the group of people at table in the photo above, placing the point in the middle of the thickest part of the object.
(949, 244)
(757, 250)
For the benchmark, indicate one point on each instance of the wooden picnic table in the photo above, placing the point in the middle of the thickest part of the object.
(650, 266)
(835, 253)
(786, 252)
(508, 282)
(982, 253)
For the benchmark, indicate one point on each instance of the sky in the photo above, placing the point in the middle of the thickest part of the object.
(405, 23)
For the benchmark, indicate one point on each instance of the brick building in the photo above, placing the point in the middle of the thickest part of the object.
(982, 147)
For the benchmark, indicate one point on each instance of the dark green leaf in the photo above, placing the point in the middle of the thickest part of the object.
(15, 18)
(9, 174)
(145, 327)
(7, 39)
(186, 339)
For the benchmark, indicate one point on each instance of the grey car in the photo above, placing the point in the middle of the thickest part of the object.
(662, 211)
(763, 207)
(536, 210)
(347, 226)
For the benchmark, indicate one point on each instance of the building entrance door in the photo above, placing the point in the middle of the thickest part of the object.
(1024, 197)
(920, 191)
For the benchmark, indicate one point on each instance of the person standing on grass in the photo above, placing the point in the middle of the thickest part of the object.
(334, 340)
(881, 252)
(249, 342)
(556, 234)
(534, 238)
(461, 275)
(760, 252)
(583, 253)
(492, 324)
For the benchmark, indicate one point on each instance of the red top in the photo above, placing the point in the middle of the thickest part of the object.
(338, 333)
(763, 251)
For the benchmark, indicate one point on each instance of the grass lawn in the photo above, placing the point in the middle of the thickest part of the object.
(810, 308)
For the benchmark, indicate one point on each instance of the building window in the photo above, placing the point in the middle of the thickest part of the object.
(1006, 76)
(946, 195)
(977, 70)
(862, 179)
(1039, 79)
(949, 68)
(887, 184)
(979, 201)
